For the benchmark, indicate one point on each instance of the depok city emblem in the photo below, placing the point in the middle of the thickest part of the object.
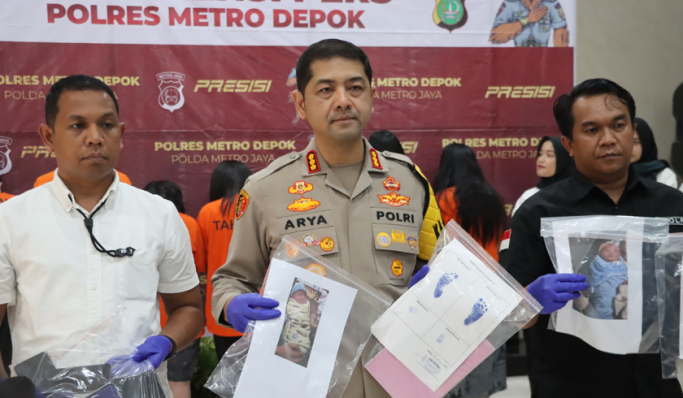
(450, 14)
(5, 161)
(171, 87)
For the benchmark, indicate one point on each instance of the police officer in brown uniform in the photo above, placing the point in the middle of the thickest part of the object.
(366, 211)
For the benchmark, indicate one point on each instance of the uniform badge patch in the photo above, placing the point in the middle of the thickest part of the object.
(383, 239)
(390, 184)
(394, 200)
(374, 159)
(300, 187)
(292, 251)
(560, 11)
(397, 267)
(309, 240)
(398, 236)
(412, 242)
(303, 204)
(316, 269)
(326, 244)
(242, 203)
(312, 162)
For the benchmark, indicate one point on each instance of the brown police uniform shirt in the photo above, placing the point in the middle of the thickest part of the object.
(371, 232)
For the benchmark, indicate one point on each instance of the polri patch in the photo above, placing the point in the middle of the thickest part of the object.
(242, 203)
(412, 242)
(390, 184)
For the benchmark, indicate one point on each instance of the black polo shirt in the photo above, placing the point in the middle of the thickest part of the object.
(561, 365)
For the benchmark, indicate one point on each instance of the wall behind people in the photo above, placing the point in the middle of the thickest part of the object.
(636, 44)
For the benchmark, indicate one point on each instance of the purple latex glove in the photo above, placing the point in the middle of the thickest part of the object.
(418, 276)
(155, 349)
(251, 306)
(553, 291)
(126, 366)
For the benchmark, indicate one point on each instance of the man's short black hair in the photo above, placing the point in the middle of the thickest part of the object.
(325, 50)
(73, 83)
(589, 88)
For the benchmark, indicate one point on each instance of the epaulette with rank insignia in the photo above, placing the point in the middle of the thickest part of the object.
(276, 165)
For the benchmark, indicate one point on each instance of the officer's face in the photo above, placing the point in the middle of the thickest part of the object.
(603, 138)
(86, 137)
(338, 99)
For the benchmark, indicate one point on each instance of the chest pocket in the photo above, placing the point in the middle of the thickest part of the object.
(396, 251)
(137, 277)
(313, 230)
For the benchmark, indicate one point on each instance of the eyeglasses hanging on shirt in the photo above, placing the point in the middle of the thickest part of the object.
(129, 251)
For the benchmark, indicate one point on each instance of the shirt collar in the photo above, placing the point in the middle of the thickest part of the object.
(580, 186)
(315, 164)
(66, 198)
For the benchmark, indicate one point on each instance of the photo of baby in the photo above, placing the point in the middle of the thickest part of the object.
(302, 317)
(605, 267)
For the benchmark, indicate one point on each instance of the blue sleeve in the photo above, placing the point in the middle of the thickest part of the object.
(557, 18)
(504, 15)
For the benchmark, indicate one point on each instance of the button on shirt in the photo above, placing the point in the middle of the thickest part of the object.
(61, 284)
(562, 365)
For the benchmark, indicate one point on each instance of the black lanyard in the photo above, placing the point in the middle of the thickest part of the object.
(89, 225)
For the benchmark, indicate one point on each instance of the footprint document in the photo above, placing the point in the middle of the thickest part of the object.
(440, 321)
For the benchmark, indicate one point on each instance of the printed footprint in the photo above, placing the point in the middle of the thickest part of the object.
(443, 282)
(478, 310)
(413, 310)
(440, 339)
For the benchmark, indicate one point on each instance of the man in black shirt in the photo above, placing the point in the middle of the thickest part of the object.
(596, 121)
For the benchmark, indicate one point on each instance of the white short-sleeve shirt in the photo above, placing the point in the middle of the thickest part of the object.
(60, 284)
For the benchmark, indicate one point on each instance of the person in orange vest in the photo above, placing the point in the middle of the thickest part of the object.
(47, 177)
(216, 221)
(182, 366)
(3, 195)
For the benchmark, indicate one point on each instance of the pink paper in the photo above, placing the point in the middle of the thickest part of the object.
(400, 382)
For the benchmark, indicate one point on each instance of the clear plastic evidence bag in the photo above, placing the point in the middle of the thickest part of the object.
(313, 348)
(465, 308)
(669, 265)
(93, 364)
(618, 313)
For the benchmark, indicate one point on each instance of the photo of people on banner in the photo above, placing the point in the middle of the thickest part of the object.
(604, 263)
(302, 317)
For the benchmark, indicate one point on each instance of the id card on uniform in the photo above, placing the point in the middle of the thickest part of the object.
(435, 326)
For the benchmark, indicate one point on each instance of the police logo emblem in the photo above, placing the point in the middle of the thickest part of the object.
(397, 267)
(316, 269)
(300, 187)
(5, 161)
(383, 239)
(450, 14)
(292, 251)
(326, 244)
(309, 240)
(242, 203)
(171, 87)
(398, 236)
(390, 184)
(412, 242)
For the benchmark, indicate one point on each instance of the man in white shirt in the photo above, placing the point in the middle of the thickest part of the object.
(76, 249)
